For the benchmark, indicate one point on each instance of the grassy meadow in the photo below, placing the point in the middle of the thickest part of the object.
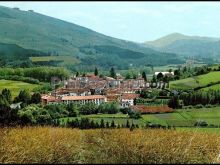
(179, 118)
(16, 86)
(65, 145)
(64, 59)
(197, 81)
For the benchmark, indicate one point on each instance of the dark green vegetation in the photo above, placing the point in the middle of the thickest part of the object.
(204, 49)
(26, 109)
(35, 74)
(39, 35)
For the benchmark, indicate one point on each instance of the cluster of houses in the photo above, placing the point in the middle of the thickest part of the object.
(91, 88)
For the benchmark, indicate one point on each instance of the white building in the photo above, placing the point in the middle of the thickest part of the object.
(97, 99)
(165, 73)
(127, 99)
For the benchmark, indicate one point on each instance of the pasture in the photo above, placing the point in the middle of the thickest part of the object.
(64, 59)
(196, 81)
(213, 87)
(16, 86)
(178, 118)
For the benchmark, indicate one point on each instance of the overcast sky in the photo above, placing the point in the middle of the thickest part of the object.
(134, 21)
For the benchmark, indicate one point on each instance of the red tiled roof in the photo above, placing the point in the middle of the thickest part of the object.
(49, 98)
(91, 97)
(130, 95)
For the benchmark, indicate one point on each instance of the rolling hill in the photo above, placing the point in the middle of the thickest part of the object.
(31, 30)
(209, 80)
(187, 45)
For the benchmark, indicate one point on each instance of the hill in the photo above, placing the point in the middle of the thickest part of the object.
(209, 79)
(31, 30)
(187, 45)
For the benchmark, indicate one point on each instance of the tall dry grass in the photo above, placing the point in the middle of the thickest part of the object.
(63, 145)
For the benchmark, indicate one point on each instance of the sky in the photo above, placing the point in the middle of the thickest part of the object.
(134, 21)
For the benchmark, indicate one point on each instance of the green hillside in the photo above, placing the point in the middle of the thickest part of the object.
(31, 30)
(197, 81)
(16, 86)
(213, 87)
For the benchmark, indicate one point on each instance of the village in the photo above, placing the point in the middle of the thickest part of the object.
(92, 88)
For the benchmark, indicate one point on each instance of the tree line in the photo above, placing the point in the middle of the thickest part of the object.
(43, 74)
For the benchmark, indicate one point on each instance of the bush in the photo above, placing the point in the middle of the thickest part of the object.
(201, 124)
(20, 78)
(189, 107)
(208, 106)
(199, 106)
(124, 110)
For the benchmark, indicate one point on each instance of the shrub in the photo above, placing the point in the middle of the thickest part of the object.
(208, 106)
(199, 106)
(201, 124)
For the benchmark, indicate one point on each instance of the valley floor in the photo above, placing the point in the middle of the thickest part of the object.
(182, 118)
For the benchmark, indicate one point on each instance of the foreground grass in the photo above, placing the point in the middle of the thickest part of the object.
(63, 145)
(16, 86)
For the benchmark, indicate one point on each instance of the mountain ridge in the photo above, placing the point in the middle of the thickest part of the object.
(189, 46)
(35, 31)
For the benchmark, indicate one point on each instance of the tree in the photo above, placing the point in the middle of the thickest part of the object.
(165, 79)
(36, 98)
(92, 124)
(84, 123)
(174, 102)
(134, 115)
(24, 97)
(128, 75)
(112, 124)
(160, 76)
(102, 124)
(127, 124)
(77, 74)
(177, 72)
(4, 110)
(112, 73)
(73, 110)
(6, 93)
(107, 125)
(154, 80)
(96, 72)
(144, 76)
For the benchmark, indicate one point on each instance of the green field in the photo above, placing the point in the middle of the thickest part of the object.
(197, 81)
(64, 59)
(16, 86)
(213, 87)
(186, 117)
(179, 118)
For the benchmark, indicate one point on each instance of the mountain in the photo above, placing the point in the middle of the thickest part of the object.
(187, 45)
(55, 37)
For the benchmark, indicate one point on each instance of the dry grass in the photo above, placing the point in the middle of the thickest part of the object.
(62, 145)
